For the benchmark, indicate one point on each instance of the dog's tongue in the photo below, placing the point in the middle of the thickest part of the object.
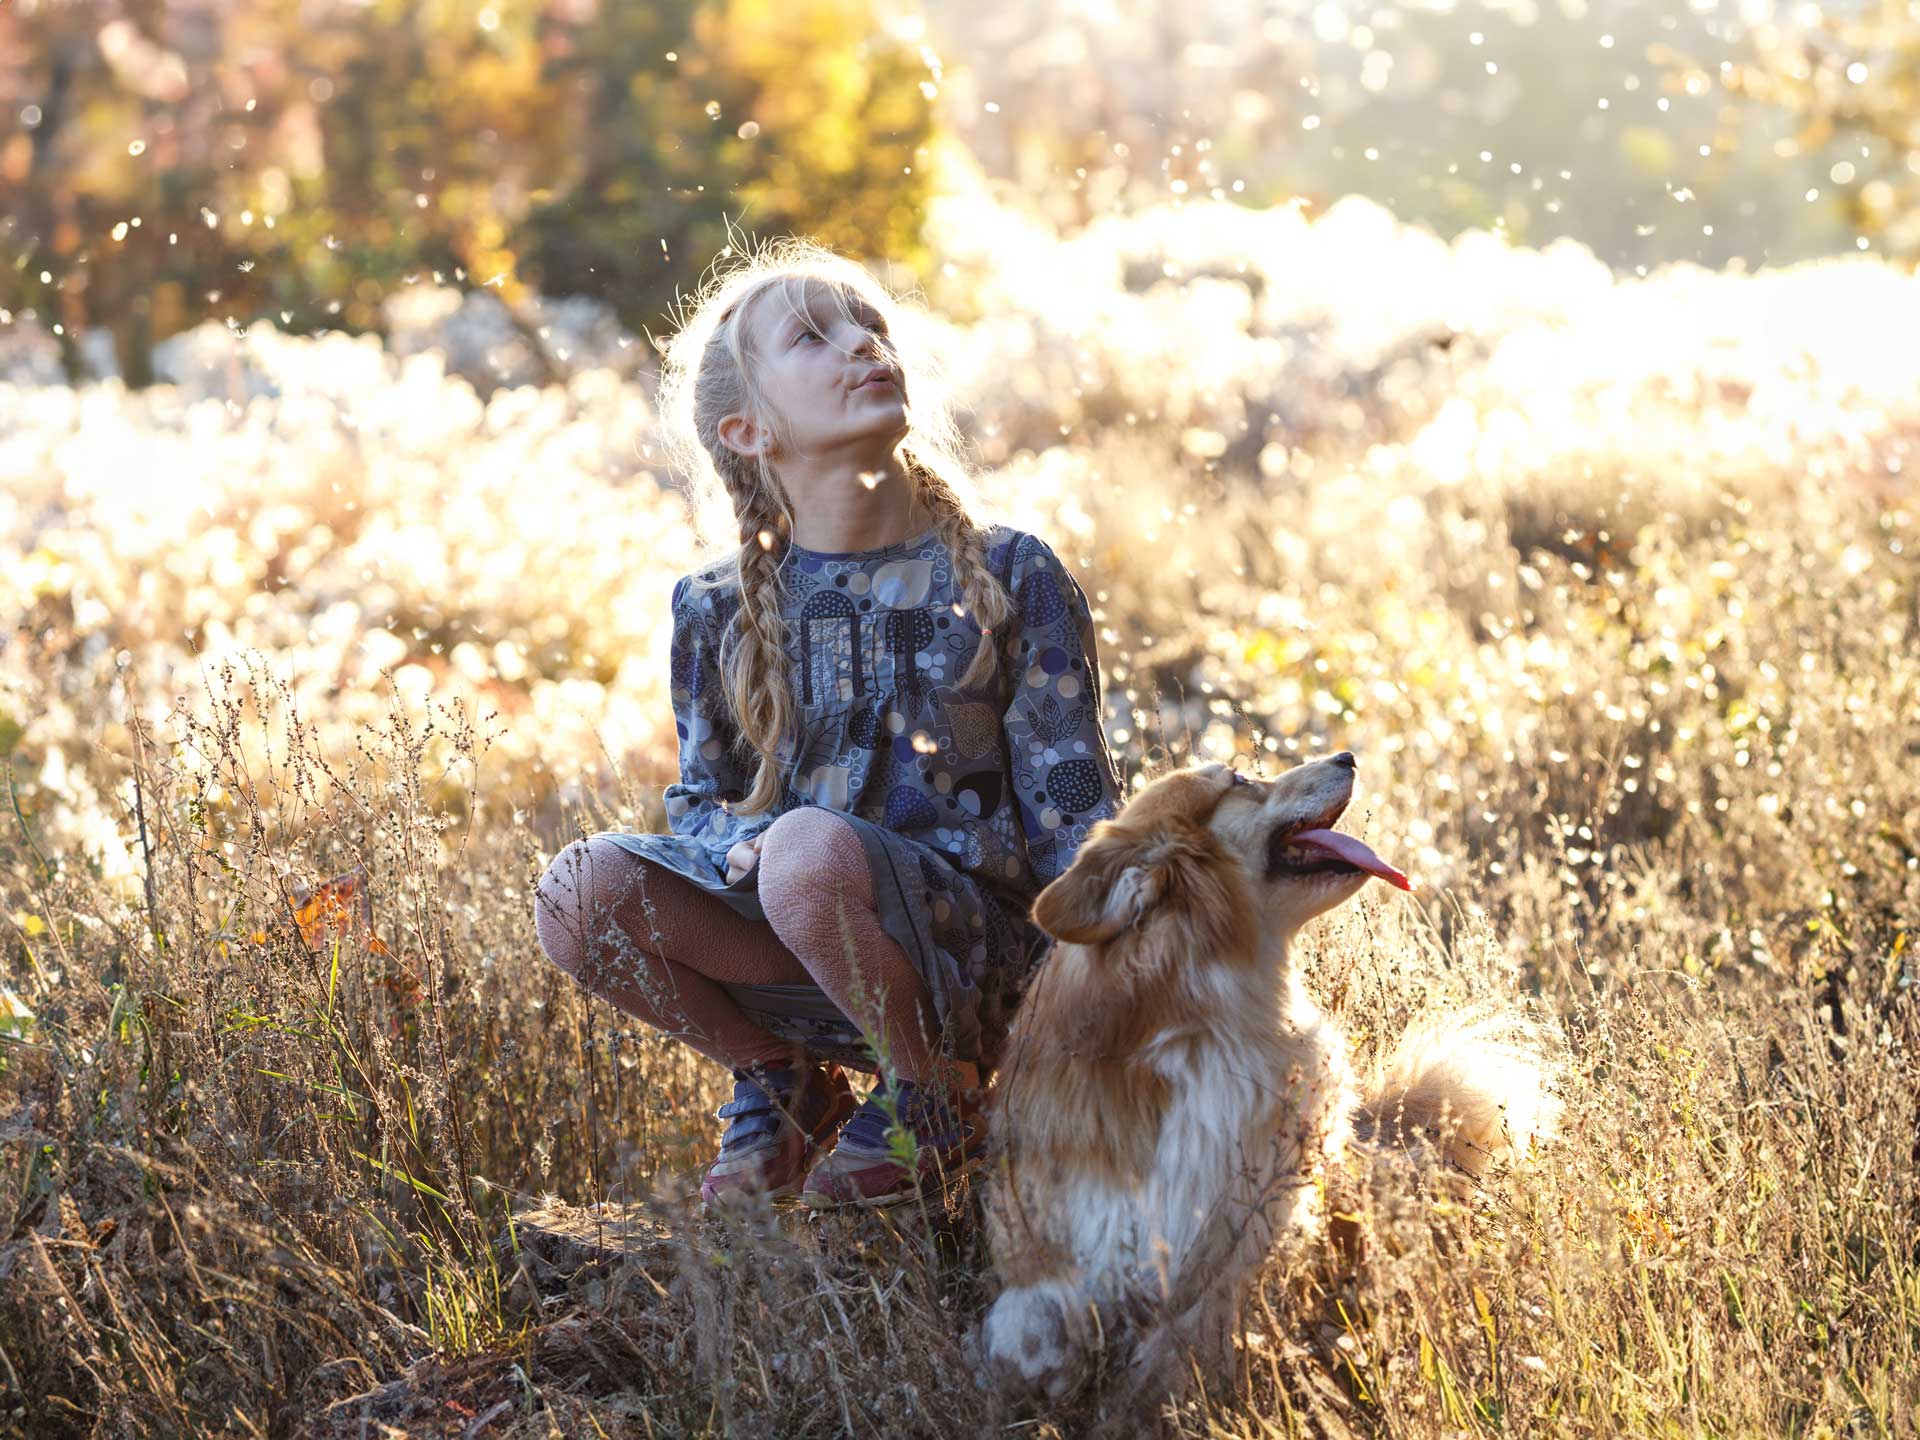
(1353, 852)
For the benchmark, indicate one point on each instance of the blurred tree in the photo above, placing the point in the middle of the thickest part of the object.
(1854, 77)
(175, 164)
(781, 117)
(403, 139)
(71, 134)
(170, 163)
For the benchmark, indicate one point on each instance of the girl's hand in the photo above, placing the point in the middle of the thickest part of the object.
(741, 858)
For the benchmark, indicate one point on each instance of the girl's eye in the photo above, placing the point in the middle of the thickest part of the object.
(879, 327)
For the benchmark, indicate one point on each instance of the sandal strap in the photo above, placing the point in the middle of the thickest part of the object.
(931, 1118)
(747, 1105)
(756, 1111)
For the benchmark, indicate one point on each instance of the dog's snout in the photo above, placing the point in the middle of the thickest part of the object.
(1345, 757)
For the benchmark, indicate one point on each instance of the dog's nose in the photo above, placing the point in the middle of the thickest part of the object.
(1345, 757)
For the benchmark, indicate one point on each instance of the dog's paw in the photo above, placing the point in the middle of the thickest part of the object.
(1033, 1342)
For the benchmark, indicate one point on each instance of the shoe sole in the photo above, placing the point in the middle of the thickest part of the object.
(938, 1183)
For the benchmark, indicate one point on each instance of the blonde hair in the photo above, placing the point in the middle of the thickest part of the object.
(740, 510)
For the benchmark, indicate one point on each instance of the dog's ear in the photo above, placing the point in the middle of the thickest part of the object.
(1108, 888)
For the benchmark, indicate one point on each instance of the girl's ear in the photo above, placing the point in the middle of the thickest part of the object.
(1106, 890)
(741, 435)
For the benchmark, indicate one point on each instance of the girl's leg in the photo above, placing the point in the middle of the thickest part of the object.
(654, 944)
(818, 895)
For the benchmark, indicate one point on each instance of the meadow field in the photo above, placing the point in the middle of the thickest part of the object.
(1610, 583)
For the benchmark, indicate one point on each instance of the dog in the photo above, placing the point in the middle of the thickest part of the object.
(1170, 1096)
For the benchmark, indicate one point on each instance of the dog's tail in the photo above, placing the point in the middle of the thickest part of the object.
(1480, 1084)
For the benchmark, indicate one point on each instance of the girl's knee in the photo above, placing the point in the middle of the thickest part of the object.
(561, 903)
(806, 846)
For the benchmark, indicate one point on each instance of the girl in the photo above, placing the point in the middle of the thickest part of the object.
(890, 740)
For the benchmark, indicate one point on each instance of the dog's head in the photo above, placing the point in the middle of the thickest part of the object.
(1215, 860)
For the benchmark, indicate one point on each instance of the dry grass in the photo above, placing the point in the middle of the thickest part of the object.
(1653, 746)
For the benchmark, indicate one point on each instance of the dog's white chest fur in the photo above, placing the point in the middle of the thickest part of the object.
(1254, 1110)
(1257, 1101)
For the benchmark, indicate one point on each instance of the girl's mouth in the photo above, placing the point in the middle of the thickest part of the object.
(878, 382)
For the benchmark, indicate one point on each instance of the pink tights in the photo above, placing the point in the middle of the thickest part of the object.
(655, 944)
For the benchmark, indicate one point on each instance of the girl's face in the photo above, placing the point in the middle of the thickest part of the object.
(817, 367)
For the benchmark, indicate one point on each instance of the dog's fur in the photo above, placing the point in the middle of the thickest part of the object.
(1170, 1095)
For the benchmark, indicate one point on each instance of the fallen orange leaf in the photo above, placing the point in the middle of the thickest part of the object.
(331, 908)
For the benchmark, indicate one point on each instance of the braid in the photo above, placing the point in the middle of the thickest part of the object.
(756, 673)
(985, 598)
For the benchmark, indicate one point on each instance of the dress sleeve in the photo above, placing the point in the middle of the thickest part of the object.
(709, 771)
(1063, 776)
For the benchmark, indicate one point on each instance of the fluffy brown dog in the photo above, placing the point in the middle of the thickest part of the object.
(1170, 1093)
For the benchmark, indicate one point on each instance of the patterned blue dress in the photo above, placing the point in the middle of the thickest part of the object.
(966, 801)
